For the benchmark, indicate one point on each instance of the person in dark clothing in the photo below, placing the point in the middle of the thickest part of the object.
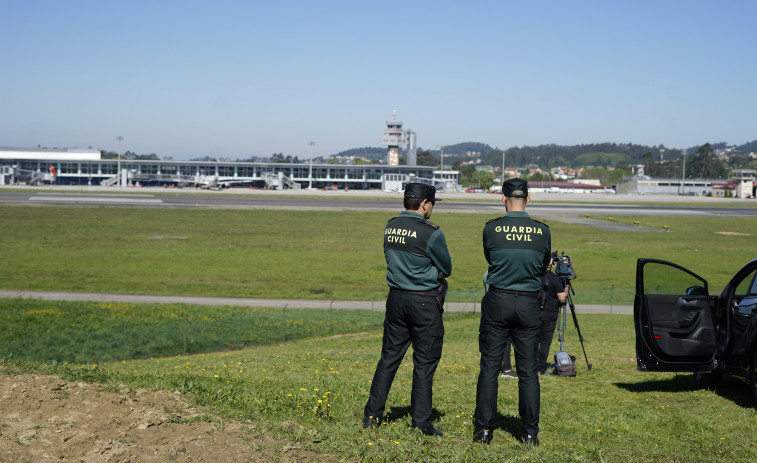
(517, 249)
(417, 264)
(556, 294)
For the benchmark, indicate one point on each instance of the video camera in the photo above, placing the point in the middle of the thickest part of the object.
(563, 266)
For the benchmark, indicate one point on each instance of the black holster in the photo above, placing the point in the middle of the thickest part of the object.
(542, 297)
(441, 294)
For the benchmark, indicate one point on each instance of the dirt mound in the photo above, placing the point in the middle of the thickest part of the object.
(45, 418)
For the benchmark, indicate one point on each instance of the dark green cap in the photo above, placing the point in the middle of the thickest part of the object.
(515, 188)
(421, 191)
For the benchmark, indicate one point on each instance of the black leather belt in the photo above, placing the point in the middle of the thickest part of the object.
(433, 292)
(514, 293)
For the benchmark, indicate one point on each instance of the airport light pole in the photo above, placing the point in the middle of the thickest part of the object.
(119, 138)
(310, 175)
(441, 163)
(683, 173)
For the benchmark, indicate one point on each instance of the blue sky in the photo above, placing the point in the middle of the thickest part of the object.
(252, 78)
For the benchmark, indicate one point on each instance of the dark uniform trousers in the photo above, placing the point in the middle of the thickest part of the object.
(546, 333)
(515, 317)
(409, 318)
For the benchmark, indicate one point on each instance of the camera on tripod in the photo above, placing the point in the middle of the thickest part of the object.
(563, 266)
(564, 270)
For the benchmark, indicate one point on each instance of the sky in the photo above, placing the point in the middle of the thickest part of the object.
(237, 79)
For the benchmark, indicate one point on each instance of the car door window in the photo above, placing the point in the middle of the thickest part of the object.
(676, 319)
(745, 295)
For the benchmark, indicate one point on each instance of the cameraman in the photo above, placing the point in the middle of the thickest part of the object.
(551, 284)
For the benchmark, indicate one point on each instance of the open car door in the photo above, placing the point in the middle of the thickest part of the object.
(675, 328)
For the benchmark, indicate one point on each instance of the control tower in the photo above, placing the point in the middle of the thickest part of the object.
(394, 137)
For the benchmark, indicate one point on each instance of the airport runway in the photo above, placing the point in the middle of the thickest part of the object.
(559, 207)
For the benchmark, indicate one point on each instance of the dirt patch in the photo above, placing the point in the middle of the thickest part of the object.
(45, 418)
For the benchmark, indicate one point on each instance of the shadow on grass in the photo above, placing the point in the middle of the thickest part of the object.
(730, 387)
(399, 413)
(510, 424)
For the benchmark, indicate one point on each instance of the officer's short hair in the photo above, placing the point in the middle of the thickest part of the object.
(412, 204)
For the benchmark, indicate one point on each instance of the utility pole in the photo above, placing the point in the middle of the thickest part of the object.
(310, 175)
(441, 163)
(119, 138)
(683, 173)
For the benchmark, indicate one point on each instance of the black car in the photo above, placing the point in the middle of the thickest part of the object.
(680, 327)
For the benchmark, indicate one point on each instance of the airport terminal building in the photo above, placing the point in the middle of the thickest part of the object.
(741, 185)
(85, 167)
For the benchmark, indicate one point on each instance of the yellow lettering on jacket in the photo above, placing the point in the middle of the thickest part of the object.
(399, 232)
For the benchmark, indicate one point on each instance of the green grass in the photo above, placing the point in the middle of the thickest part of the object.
(312, 392)
(320, 255)
(90, 332)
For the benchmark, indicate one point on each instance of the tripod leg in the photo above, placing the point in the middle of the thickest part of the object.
(578, 330)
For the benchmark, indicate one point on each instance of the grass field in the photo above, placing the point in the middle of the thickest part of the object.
(320, 255)
(91, 332)
(312, 392)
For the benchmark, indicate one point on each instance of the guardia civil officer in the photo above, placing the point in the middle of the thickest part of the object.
(517, 249)
(417, 263)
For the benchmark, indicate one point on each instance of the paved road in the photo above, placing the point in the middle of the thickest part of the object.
(259, 302)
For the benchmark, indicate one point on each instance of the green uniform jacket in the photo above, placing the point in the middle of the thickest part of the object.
(517, 249)
(416, 253)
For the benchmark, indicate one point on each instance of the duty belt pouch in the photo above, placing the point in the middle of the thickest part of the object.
(542, 296)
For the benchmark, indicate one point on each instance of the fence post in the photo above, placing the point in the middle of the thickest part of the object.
(475, 296)
(283, 324)
(612, 289)
(125, 341)
(331, 328)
